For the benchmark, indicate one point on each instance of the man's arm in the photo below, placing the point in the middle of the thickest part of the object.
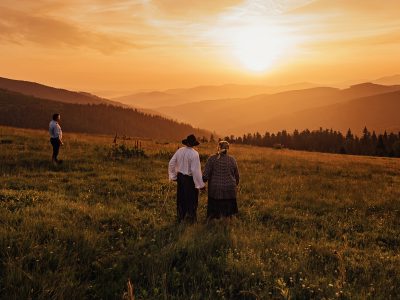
(172, 168)
(195, 168)
(60, 134)
(52, 129)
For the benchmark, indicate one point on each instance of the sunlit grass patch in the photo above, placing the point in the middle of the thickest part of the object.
(310, 225)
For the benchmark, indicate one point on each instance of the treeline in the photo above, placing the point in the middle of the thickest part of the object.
(19, 110)
(327, 140)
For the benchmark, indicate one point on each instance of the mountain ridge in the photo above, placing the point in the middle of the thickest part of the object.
(178, 96)
(19, 110)
(31, 88)
(219, 115)
(376, 112)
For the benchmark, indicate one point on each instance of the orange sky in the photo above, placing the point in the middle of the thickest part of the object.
(127, 45)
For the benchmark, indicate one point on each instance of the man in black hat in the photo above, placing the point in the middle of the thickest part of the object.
(185, 168)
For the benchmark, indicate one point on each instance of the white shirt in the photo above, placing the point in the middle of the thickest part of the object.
(55, 130)
(186, 160)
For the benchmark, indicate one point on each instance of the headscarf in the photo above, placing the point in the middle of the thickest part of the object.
(223, 147)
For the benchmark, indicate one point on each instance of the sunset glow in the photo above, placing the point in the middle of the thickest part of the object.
(258, 48)
(125, 46)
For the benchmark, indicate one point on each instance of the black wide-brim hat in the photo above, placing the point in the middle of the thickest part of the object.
(190, 141)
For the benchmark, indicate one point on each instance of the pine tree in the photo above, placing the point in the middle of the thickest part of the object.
(366, 134)
(349, 135)
(396, 148)
(380, 146)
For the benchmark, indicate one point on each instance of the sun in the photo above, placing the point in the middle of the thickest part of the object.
(258, 48)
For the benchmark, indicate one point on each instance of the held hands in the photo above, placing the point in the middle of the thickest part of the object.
(204, 188)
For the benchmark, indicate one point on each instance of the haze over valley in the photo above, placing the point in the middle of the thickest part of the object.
(219, 109)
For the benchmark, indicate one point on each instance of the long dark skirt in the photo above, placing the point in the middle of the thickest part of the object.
(217, 208)
(186, 198)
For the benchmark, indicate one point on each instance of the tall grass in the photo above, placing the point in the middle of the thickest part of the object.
(311, 225)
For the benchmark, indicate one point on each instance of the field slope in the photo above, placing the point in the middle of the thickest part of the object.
(311, 225)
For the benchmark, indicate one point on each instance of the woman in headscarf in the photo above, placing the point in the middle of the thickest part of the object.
(221, 172)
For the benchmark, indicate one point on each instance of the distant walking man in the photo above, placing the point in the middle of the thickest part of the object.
(55, 137)
(185, 168)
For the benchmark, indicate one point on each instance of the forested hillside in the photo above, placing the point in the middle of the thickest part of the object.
(327, 140)
(47, 92)
(29, 112)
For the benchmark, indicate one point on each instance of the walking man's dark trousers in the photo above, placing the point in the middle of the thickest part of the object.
(187, 198)
(55, 142)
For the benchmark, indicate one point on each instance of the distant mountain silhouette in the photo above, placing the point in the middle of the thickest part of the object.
(51, 93)
(234, 115)
(234, 91)
(377, 112)
(24, 111)
(368, 89)
(151, 99)
(302, 108)
(388, 80)
(174, 97)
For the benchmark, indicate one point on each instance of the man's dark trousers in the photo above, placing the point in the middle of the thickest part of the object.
(55, 142)
(187, 198)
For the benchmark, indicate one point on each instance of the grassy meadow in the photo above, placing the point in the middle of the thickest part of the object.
(311, 225)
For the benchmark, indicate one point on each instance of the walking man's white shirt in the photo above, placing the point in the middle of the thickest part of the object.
(186, 161)
(55, 130)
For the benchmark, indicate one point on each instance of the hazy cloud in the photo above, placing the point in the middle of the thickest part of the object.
(347, 25)
(192, 8)
(18, 27)
(196, 37)
(354, 6)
